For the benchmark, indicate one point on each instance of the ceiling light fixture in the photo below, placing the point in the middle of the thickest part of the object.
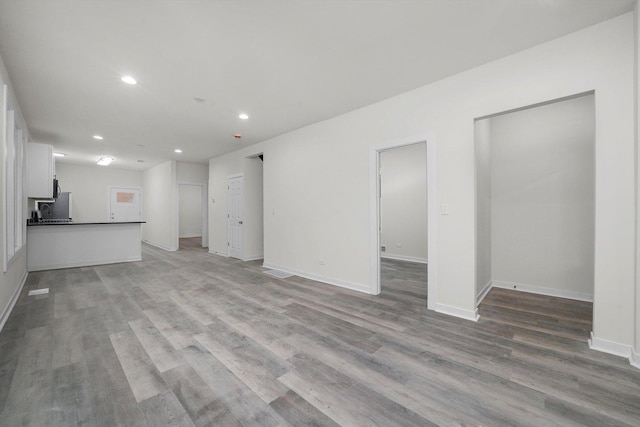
(59, 154)
(177, 150)
(105, 161)
(129, 80)
(243, 116)
(98, 137)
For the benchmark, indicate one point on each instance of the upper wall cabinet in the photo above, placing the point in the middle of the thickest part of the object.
(40, 171)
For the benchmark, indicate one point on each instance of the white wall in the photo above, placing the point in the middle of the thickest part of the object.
(160, 206)
(253, 230)
(89, 186)
(483, 205)
(316, 194)
(11, 280)
(190, 210)
(218, 175)
(252, 169)
(542, 198)
(403, 203)
(192, 172)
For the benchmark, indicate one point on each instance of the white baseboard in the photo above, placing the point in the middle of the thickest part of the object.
(457, 312)
(634, 359)
(483, 293)
(12, 302)
(86, 263)
(253, 258)
(189, 237)
(165, 248)
(226, 255)
(580, 296)
(611, 347)
(403, 258)
(327, 280)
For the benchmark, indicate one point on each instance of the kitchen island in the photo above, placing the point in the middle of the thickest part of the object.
(78, 244)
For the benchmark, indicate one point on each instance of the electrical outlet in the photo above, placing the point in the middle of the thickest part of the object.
(383, 248)
(321, 262)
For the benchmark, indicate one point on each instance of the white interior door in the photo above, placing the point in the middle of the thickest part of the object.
(235, 189)
(125, 204)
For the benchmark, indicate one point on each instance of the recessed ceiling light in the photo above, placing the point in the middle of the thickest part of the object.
(98, 137)
(177, 150)
(105, 161)
(243, 116)
(59, 154)
(129, 80)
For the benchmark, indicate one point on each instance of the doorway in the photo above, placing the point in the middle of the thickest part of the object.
(535, 200)
(191, 215)
(253, 208)
(403, 222)
(400, 254)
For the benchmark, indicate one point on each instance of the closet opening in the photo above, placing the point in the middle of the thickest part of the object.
(535, 212)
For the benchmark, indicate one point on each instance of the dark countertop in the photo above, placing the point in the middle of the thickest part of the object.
(34, 224)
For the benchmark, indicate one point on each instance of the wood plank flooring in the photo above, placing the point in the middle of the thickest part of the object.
(188, 338)
(191, 243)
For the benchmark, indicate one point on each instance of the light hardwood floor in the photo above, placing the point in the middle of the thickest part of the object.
(189, 338)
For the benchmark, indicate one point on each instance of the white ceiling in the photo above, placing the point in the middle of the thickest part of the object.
(287, 63)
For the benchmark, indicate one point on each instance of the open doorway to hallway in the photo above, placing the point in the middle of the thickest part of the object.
(191, 215)
(403, 223)
(191, 244)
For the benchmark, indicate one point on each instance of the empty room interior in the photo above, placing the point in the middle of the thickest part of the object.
(320, 213)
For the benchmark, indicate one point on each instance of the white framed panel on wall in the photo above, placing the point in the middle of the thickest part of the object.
(13, 189)
(8, 190)
(20, 205)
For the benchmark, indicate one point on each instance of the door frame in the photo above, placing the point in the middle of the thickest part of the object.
(205, 222)
(247, 166)
(374, 198)
(111, 187)
(235, 175)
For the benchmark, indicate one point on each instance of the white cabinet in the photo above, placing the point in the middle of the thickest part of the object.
(41, 168)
